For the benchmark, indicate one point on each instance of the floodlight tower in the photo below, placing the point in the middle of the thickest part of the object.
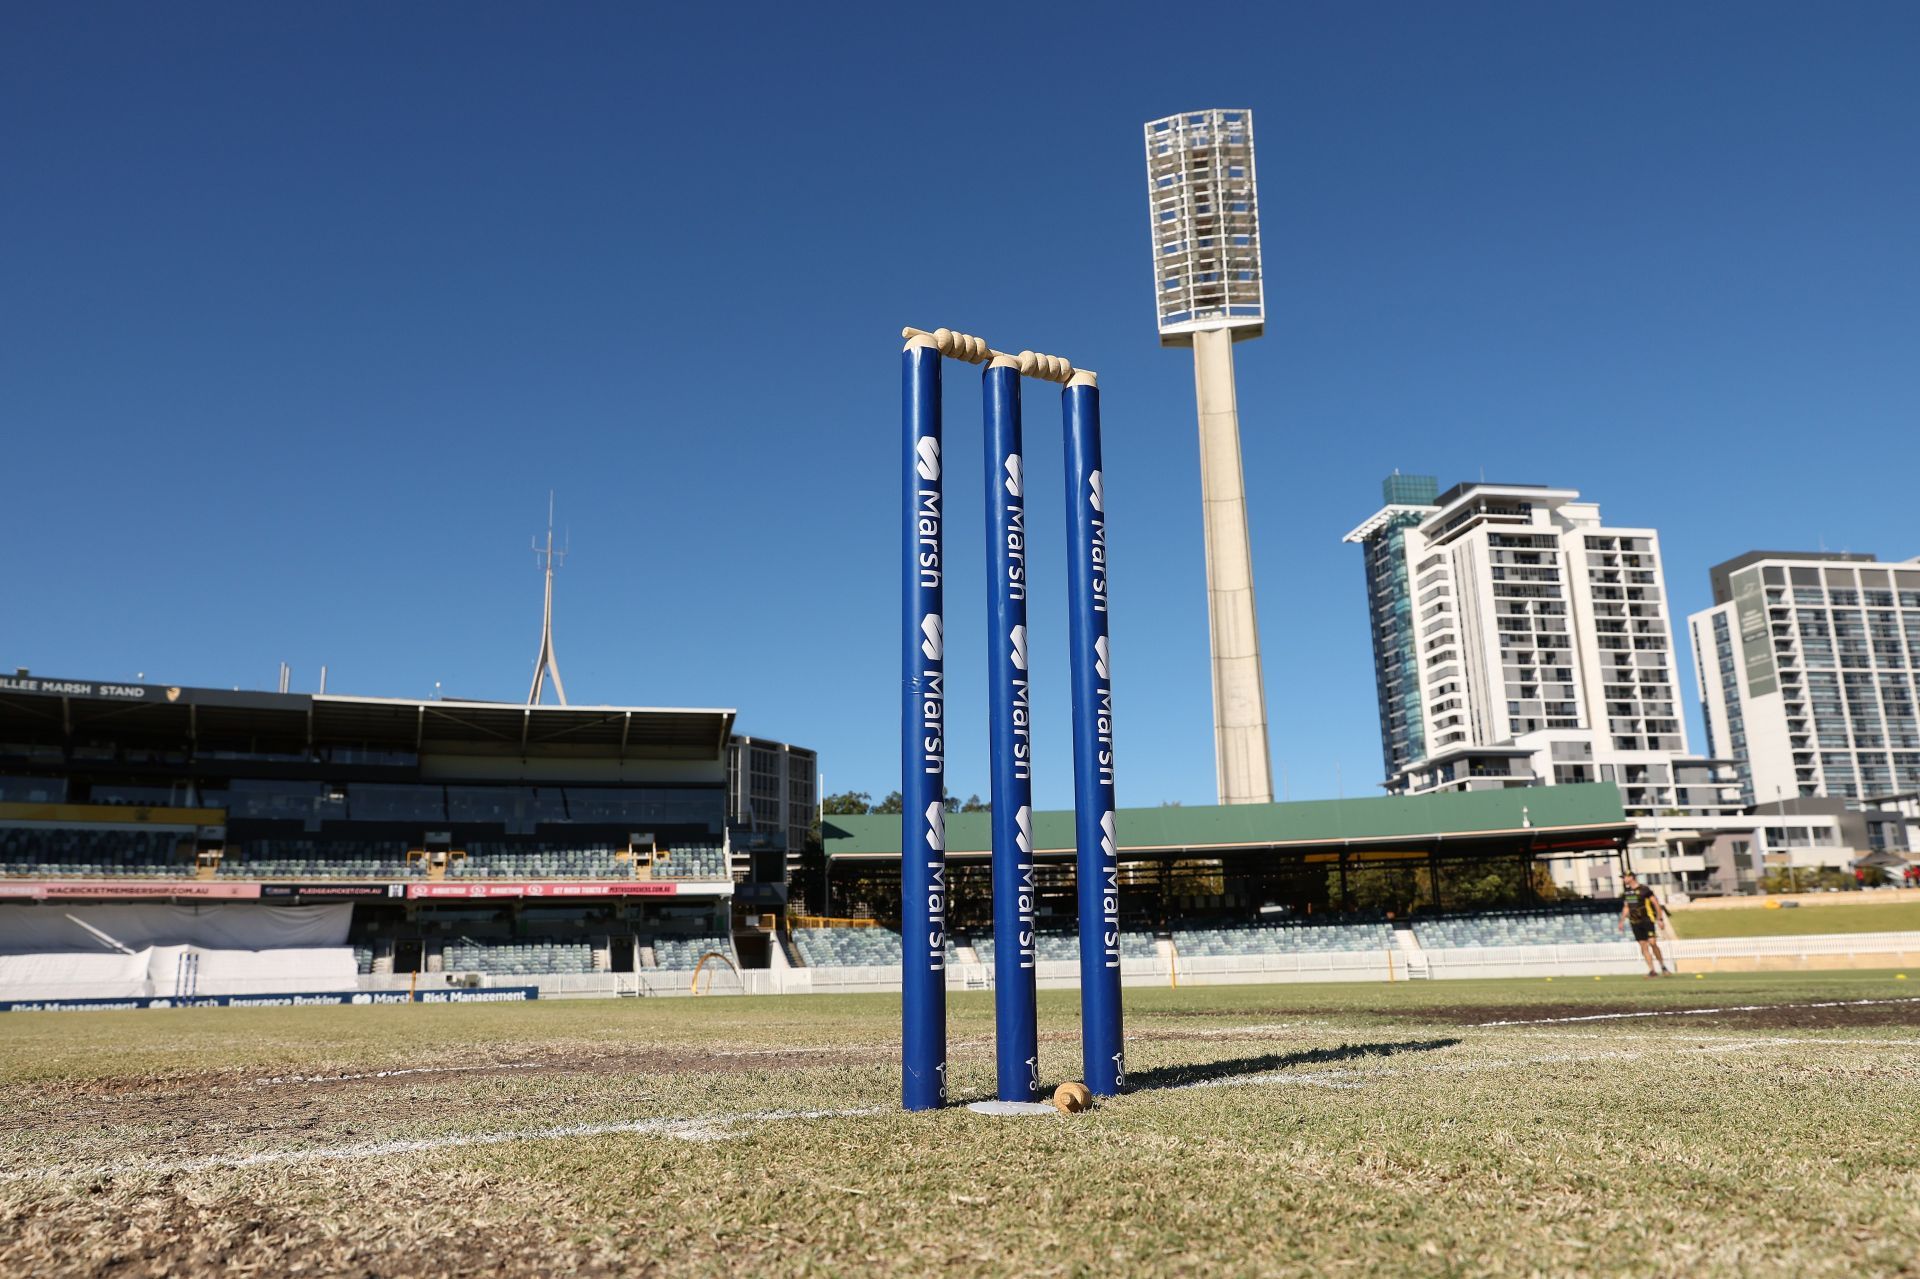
(1208, 295)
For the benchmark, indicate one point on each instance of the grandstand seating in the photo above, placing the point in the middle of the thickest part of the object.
(1054, 946)
(518, 958)
(487, 859)
(873, 947)
(1517, 928)
(685, 952)
(692, 861)
(1279, 939)
(78, 853)
(75, 853)
(849, 947)
(318, 859)
(363, 959)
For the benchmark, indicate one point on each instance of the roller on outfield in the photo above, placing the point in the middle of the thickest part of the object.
(924, 712)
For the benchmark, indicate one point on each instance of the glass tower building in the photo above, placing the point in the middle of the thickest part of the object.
(1382, 540)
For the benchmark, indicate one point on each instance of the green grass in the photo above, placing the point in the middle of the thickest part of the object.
(1758, 921)
(1338, 1129)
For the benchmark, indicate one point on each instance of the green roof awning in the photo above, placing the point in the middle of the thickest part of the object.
(1334, 822)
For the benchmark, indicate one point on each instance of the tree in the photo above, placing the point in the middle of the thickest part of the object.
(975, 804)
(847, 803)
(891, 804)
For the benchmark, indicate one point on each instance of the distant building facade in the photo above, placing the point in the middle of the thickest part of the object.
(1520, 640)
(1396, 668)
(773, 788)
(1808, 669)
(1532, 643)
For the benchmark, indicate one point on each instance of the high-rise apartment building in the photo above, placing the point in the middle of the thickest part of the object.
(1396, 668)
(1519, 640)
(1808, 667)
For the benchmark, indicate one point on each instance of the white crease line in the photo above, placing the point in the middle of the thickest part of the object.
(703, 1128)
(1735, 1047)
(1808, 1040)
(389, 1074)
(721, 1127)
(1694, 1012)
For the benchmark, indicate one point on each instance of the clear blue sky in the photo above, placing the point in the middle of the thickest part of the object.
(303, 309)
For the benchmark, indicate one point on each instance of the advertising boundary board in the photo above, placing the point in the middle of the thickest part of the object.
(624, 888)
(290, 999)
(333, 892)
(110, 889)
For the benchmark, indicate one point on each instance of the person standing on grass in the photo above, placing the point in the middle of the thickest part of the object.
(1642, 911)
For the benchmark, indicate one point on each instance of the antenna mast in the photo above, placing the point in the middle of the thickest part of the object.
(547, 663)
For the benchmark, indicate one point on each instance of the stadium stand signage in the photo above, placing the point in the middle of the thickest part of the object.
(150, 694)
(290, 999)
(333, 892)
(88, 688)
(618, 888)
(108, 889)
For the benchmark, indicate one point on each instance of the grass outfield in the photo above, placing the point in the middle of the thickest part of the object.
(1506, 1128)
(1758, 921)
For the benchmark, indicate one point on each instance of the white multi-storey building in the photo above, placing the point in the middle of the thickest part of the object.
(1543, 654)
(1809, 674)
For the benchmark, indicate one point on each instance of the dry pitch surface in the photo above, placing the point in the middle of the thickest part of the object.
(1464, 1127)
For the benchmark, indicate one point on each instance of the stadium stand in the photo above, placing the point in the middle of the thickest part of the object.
(318, 859)
(1051, 946)
(518, 958)
(487, 859)
(73, 853)
(692, 861)
(849, 947)
(1518, 928)
(1280, 939)
(876, 947)
(685, 952)
(363, 959)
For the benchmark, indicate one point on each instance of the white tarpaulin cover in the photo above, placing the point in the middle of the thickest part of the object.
(58, 926)
(176, 970)
(72, 976)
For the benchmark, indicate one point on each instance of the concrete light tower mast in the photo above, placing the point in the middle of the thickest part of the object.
(1208, 295)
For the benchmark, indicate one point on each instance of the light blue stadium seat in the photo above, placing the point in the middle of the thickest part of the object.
(848, 947)
(1519, 928)
(1292, 938)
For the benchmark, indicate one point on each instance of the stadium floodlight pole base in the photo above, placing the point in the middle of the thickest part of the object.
(1012, 1109)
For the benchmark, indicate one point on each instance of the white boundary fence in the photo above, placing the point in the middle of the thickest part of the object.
(1833, 950)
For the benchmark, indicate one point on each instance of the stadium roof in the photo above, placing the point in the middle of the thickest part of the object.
(1547, 817)
(39, 707)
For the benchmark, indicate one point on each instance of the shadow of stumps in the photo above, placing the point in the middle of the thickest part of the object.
(1266, 1063)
